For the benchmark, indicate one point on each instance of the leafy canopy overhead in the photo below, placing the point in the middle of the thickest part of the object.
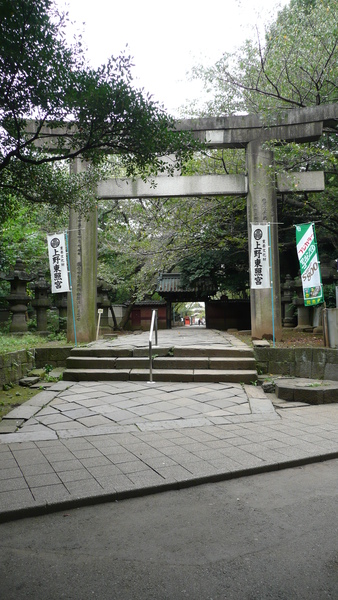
(292, 65)
(76, 111)
(207, 238)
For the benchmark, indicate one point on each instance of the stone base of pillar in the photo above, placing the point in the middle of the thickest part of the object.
(304, 316)
(265, 324)
(19, 321)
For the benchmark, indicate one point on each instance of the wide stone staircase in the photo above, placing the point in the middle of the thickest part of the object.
(174, 364)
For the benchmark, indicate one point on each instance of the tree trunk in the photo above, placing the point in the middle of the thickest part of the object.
(126, 317)
(116, 327)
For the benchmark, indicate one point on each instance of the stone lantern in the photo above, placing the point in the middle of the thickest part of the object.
(288, 306)
(18, 298)
(60, 301)
(41, 302)
(304, 313)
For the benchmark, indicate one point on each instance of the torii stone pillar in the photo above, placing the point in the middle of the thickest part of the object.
(262, 208)
(83, 266)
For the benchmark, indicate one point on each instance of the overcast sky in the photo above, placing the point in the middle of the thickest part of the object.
(167, 38)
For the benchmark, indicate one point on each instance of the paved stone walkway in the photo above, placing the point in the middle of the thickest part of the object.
(87, 442)
(195, 336)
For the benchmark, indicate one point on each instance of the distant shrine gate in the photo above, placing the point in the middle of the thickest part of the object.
(249, 132)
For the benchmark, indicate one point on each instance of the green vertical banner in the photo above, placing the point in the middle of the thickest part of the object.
(309, 264)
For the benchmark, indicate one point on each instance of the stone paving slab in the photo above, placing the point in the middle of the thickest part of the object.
(69, 463)
(193, 337)
(136, 438)
(10, 425)
(25, 411)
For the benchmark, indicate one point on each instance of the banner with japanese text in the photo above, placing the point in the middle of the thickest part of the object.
(260, 267)
(307, 252)
(58, 263)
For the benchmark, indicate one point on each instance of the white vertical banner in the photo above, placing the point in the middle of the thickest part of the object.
(58, 262)
(260, 266)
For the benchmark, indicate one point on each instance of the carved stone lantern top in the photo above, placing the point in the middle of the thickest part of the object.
(40, 283)
(103, 288)
(40, 287)
(18, 272)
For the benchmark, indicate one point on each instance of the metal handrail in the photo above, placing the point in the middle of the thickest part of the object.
(153, 327)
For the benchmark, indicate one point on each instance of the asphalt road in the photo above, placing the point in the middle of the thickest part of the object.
(270, 536)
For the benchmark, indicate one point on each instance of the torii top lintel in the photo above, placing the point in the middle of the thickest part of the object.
(296, 125)
(234, 132)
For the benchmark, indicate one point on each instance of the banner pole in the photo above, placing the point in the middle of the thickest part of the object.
(319, 267)
(71, 288)
(271, 279)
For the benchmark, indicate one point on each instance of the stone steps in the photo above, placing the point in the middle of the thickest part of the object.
(172, 363)
(201, 375)
(192, 364)
(182, 351)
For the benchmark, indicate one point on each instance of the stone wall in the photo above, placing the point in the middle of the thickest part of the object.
(56, 357)
(15, 365)
(312, 363)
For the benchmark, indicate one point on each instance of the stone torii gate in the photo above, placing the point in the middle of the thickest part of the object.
(249, 132)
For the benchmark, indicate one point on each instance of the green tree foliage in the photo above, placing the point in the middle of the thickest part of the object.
(24, 237)
(140, 238)
(292, 65)
(215, 268)
(217, 250)
(50, 99)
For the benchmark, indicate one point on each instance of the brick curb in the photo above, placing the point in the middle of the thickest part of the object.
(47, 508)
